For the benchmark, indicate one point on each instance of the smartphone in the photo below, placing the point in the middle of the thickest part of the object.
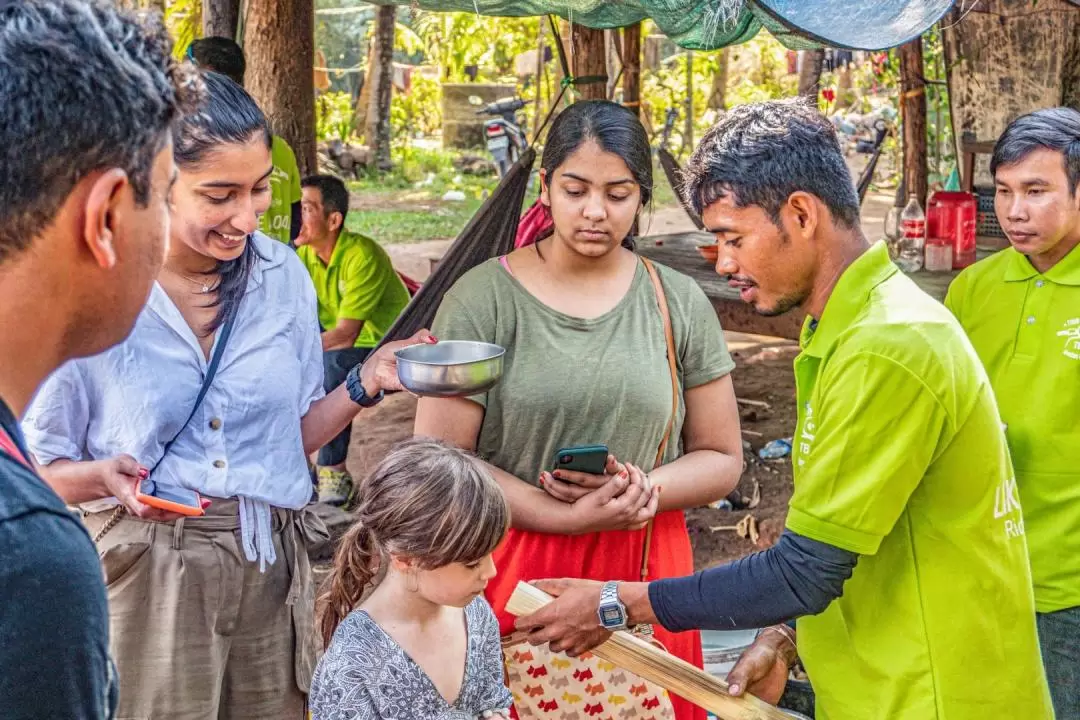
(590, 459)
(170, 497)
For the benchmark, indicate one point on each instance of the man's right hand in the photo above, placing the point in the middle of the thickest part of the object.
(763, 668)
(120, 476)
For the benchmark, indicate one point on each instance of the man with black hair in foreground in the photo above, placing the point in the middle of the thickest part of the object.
(903, 557)
(83, 220)
(1021, 310)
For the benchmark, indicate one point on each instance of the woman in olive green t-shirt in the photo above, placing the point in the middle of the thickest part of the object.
(586, 364)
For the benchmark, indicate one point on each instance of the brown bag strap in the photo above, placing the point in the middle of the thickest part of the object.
(669, 336)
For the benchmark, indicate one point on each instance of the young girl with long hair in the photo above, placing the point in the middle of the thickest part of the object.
(424, 643)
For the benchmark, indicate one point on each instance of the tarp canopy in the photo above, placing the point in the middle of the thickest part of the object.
(711, 24)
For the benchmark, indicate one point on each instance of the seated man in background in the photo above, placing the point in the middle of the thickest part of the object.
(281, 221)
(360, 295)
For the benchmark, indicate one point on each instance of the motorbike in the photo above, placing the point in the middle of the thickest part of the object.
(505, 136)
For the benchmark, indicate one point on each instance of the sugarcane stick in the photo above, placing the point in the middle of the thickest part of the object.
(653, 664)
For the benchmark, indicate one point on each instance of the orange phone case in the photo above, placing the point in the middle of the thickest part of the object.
(157, 502)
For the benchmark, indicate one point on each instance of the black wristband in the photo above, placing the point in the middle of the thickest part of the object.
(357, 393)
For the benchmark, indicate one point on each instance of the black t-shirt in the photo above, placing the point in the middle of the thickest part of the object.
(54, 617)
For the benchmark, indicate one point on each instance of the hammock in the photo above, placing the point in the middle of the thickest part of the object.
(675, 179)
(489, 233)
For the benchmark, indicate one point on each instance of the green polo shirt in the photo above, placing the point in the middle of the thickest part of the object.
(360, 283)
(1025, 326)
(899, 456)
(284, 191)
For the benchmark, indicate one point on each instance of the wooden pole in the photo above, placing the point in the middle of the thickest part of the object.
(688, 132)
(279, 37)
(590, 62)
(220, 18)
(718, 95)
(810, 74)
(377, 131)
(631, 56)
(913, 112)
(538, 101)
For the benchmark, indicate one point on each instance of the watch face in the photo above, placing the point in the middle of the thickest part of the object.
(610, 615)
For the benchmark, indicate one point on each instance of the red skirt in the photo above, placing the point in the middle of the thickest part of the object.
(612, 555)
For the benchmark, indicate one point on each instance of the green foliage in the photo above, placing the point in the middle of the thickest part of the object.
(418, 113)
(406, 206)
(335, 116)
(456, 40)
(757, 71)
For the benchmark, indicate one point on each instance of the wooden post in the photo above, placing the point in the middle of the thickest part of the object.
(631, 56)
(913, 113)
(810, 74)
(538, 102)
(220, 18)
(589, 61)
(718, 95)
(279, 37)
(688, 132)
(377, 129)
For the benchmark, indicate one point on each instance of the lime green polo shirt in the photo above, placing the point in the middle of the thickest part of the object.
(1025, 326)
(284, 191)
(899, 456)
(360, 283)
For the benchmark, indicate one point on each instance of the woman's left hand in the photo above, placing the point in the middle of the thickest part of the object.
(379, 371)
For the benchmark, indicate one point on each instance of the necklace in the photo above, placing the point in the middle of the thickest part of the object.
(204, 286)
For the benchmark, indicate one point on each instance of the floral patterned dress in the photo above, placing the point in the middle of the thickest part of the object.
(365, 675)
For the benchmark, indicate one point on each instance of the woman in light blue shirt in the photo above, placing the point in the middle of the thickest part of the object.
(210, 616)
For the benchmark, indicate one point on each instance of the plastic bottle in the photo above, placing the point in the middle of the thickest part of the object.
(912, 236)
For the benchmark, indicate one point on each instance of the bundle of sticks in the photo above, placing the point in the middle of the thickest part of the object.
(653, 664)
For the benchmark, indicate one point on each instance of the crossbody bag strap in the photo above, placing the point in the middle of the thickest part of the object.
(211, 371)
(669, 337)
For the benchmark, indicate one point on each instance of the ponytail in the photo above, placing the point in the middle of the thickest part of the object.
(355, 566)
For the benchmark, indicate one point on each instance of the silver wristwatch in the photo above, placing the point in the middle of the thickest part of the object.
(612, 612)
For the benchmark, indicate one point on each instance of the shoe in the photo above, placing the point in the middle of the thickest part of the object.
(335, 487)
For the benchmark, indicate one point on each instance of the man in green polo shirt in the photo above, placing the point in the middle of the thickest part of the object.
(1021, 310)
(281, 220)
(360, 296)
(903, 556)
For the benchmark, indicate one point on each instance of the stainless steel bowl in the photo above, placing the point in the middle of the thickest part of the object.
(453, 368)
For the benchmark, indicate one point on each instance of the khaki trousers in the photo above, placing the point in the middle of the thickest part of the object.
(196, 631)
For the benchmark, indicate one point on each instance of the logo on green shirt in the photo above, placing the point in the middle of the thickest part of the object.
(1007, 502)
(1071, 333)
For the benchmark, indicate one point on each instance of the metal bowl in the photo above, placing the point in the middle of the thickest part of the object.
(453, 368)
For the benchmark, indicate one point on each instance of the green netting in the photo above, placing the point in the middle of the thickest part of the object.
(711, 24)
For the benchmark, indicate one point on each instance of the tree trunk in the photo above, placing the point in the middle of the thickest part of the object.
(718, 94)
(220, 18)
(688, 128)
(377, 130)
(810, 74)
(1007, 58)
(843, 88)
(279, 37)
(631, 55)
(913, 111)
(590, 63)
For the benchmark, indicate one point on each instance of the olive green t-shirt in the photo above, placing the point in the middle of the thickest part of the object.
(571, 381)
